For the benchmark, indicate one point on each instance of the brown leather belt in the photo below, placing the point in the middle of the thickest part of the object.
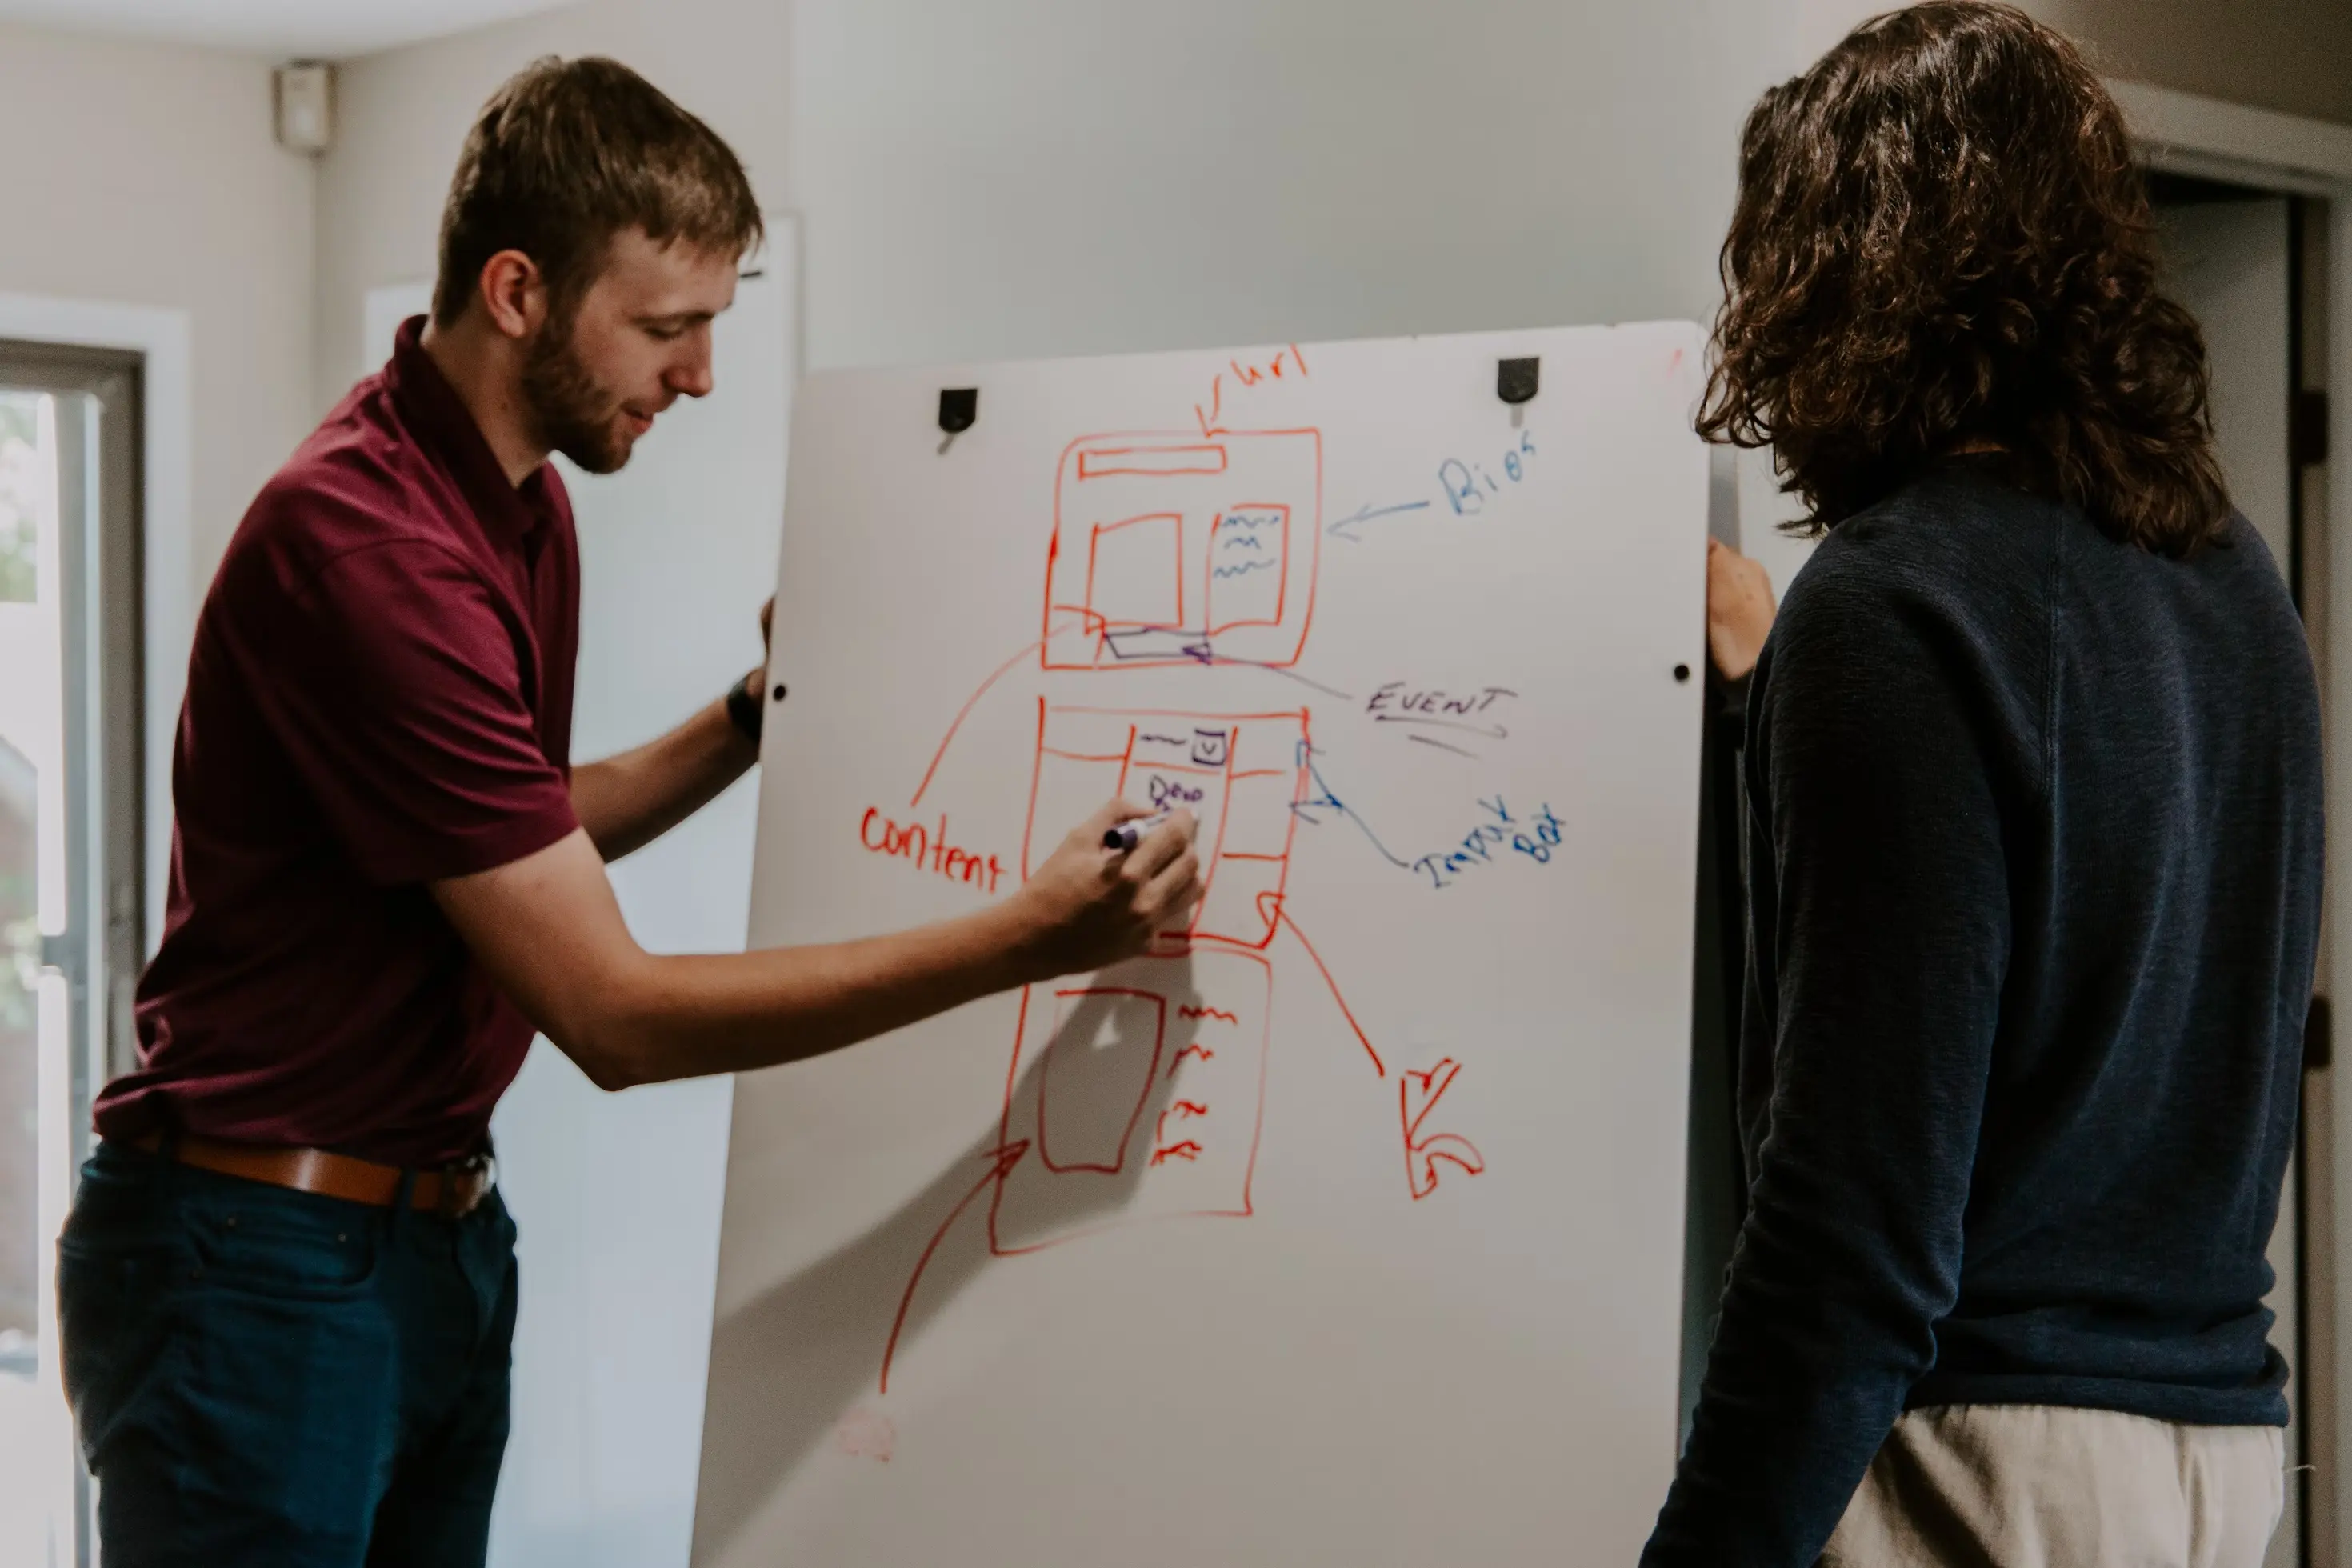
(453, 1190)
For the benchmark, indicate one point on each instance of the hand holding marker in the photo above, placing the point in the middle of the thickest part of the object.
(1121, 839)
(1133, 831)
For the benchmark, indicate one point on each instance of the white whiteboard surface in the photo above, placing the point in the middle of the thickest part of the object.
(1349, 1231)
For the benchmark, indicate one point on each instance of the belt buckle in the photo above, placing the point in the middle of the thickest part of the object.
(464, 1185)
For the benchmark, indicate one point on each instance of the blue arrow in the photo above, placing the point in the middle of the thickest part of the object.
(1366, 514)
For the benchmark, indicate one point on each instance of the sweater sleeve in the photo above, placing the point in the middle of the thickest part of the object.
(1883, 933)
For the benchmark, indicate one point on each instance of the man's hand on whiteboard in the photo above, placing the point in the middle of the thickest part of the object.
(548, 929)
(755, 684)
(1739, 610)
(1089, 906)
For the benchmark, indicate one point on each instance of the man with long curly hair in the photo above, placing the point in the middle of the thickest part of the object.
(2035, 774)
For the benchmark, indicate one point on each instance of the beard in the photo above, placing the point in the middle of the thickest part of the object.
(570, 410)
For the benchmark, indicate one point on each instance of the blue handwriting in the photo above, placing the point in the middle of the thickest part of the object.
(1468, 486)
(1308, 811)
(1534, 838)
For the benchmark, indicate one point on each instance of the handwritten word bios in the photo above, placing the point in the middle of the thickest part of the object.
(928, 849)
(1469, 486)
(1536, 837)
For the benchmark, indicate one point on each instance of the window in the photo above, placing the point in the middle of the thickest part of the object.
(70, 868)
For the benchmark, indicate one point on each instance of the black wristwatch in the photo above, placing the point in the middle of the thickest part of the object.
(745, 709)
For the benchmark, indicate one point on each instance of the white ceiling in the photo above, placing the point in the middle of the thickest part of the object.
(284, 29)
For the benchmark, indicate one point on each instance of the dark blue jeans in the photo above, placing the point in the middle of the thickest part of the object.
(272, 1379)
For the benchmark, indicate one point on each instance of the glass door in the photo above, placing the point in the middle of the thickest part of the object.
(70, 870)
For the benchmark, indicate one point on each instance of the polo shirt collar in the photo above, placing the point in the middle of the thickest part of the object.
(443, 424)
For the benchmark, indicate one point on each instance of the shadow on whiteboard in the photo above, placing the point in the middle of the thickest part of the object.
(791, 1367)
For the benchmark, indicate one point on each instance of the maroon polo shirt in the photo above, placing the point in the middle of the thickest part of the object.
(380, 695)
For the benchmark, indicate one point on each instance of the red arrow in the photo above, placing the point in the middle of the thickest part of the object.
(1006, 1158)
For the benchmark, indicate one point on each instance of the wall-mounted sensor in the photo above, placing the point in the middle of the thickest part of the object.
(305, 98)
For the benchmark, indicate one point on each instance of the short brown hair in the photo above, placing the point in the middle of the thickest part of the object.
(567, 154)
(1941, 239)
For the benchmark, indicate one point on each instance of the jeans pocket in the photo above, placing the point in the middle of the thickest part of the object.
(291, 1245)
(116, 1307)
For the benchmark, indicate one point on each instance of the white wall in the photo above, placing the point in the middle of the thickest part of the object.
(1047, 176)
(403, 114)
(146, 175)
(1054, 176)
(2292, 56)
(618, 1196)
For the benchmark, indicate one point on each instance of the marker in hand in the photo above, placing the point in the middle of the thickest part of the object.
(1132, 832)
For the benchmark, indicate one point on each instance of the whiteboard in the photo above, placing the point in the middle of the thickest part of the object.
(1347, 1227)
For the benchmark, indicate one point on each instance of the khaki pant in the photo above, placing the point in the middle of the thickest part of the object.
(2034, 1485)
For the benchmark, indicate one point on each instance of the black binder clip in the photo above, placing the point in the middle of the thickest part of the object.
(959, 407)
(1515, 383)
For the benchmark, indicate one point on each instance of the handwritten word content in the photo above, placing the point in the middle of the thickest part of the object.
(1536, 837)
(1470, 486)
(928, 849)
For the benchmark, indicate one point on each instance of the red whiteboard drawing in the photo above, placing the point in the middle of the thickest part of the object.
(1175, 548)
(1139, 1093)
(1240, 775)
(1146, 1100)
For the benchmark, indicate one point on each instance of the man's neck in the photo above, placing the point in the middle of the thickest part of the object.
(485, 370)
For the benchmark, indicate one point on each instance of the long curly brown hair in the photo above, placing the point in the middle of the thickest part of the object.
(1942, 242)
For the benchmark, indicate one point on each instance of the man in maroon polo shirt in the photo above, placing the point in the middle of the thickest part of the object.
(287, 1288)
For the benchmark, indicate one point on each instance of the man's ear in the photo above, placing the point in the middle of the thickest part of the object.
(513, 294)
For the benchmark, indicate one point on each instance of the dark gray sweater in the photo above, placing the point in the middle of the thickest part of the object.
(2034, 890)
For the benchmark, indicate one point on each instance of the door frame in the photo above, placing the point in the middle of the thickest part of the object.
(168, 592)
(156, 342)
(2188, 135)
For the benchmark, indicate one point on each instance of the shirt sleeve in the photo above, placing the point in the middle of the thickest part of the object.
(398, 696)
(1884, 938)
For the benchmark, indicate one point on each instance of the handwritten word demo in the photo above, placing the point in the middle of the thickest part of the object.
(928, 849)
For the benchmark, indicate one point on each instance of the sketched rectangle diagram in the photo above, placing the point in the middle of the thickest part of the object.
(1138, 1092)
(1176, 550)
(1239, 773)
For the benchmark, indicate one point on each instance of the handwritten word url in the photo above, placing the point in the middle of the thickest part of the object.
(1534, 838)
(928, 849)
